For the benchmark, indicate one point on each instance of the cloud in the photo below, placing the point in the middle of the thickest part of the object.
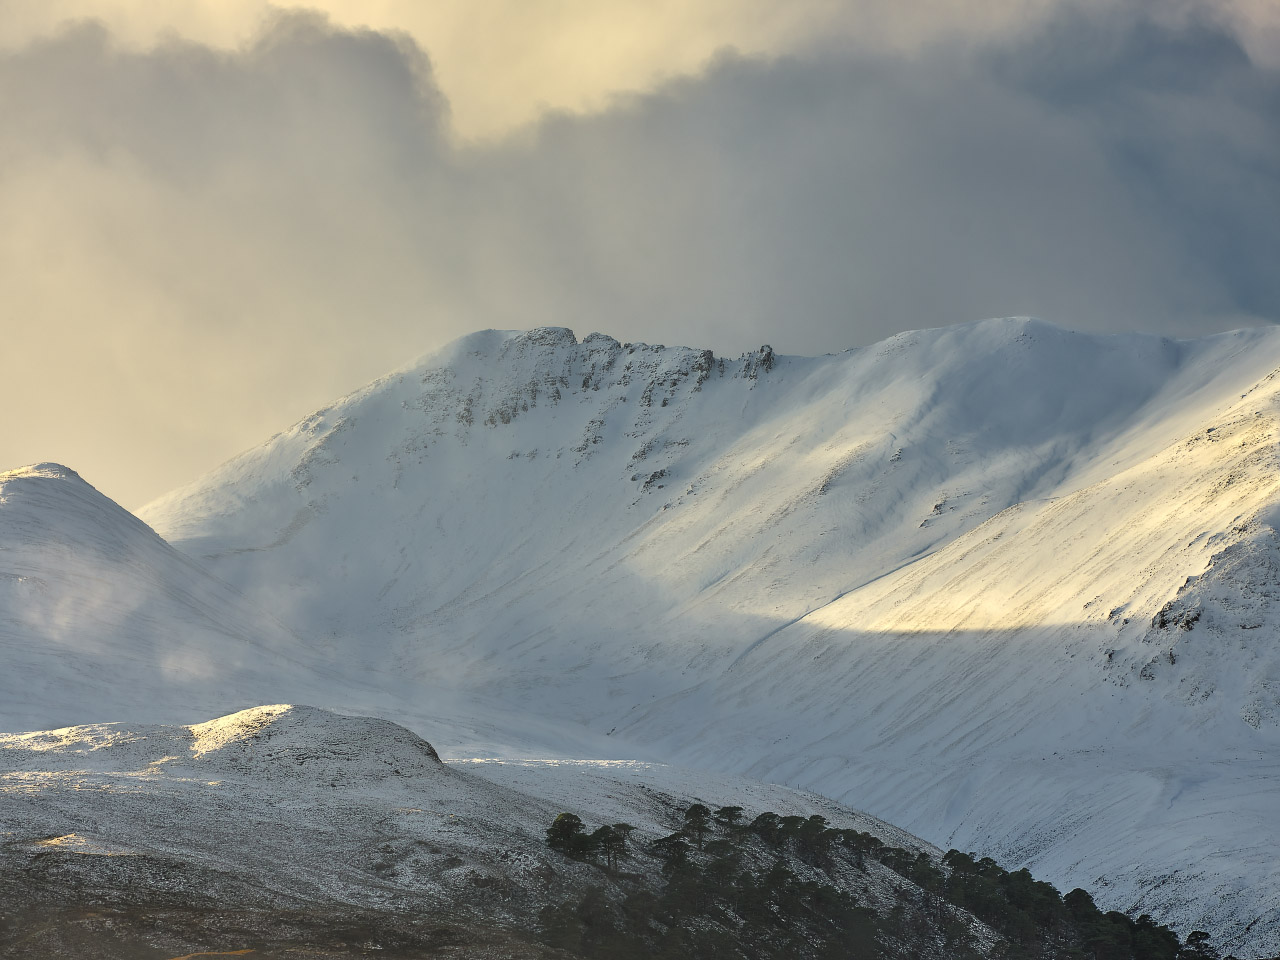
(502, 62)
(201, 243)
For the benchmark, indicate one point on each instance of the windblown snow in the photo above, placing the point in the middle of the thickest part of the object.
(1007, 586)
(100, 617)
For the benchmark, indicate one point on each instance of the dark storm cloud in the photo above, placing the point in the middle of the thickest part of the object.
(1107, 175)
(1191, 128)
(226, 240)
(299, 90)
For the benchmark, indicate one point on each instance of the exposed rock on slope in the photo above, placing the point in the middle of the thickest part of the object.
(1214, 644)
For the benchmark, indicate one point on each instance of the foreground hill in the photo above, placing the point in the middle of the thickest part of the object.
(288, 831)
(291, 828)
(1008, 585)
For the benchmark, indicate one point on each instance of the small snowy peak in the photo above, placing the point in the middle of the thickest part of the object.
(55, 504)
(302, 741)
(282, 741)
(44, 471)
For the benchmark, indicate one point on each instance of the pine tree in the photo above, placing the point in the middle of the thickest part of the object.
(697, 821)
(566, 836)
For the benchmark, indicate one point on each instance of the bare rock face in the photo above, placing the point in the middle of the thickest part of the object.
(1215, 640)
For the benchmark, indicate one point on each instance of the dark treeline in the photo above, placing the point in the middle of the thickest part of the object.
(725, 888)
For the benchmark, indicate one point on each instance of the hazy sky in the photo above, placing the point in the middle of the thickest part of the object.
(216, 216)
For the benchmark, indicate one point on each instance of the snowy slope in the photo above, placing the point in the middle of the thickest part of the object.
(924, 577)
(694, 509)
(101, 619)
(1047, 689)
(98, 615)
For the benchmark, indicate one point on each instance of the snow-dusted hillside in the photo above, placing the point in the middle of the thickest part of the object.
(1008, 586)
(205, 783)
(288, 812)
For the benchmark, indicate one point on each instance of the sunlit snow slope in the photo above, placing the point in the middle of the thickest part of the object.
(944, 578)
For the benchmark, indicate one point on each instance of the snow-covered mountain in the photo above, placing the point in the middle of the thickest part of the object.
(1008, 586)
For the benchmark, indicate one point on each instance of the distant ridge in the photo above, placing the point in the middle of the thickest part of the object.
(99, 617)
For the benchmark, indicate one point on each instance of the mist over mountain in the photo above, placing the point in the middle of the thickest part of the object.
(99, 617)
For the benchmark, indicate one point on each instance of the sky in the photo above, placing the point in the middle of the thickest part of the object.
(220, 215)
